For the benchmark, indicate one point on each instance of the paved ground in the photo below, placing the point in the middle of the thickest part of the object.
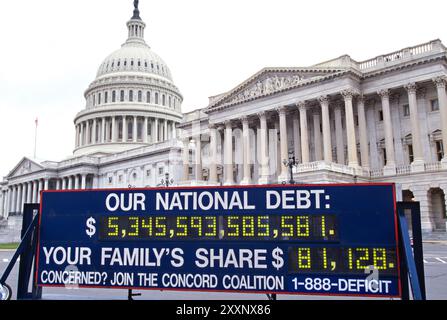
(435, 260)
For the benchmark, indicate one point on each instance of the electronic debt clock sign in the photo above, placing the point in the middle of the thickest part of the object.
(314, 239)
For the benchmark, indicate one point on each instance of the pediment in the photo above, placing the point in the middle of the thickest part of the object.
(25, 166)
(270, 81)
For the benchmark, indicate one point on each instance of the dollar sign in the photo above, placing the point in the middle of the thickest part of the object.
(278, 261)
(91, 229)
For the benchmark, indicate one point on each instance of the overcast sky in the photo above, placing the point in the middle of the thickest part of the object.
(50, 50)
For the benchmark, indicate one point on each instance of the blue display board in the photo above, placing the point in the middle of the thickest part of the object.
(314, 239)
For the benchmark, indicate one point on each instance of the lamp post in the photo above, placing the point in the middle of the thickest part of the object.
(290, 163)
(166, 182)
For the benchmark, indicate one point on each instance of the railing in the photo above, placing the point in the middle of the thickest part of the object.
(403, 170)
(381, 61)
(361, 172)
(430, 167)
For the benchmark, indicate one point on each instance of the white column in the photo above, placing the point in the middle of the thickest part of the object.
(246, 151)
(114, 130)
(304, 132)
(76, 182)
(35, 186)
(213, 154)
(13, 200)
(390, 167)
(174, 130)
(339, 134)
(165, 134)
(87, 139)
(296, 137)
(58, 184)
(94, 131)
(198, 157)
(77, 136)
(156, 137)
(64, 183)
(125, 129)
(82, 135)
(317, 136)
(40, 188)
(84, 181)
(29, 195)
(2, 201)
(135, 129)
(18, 195)
(70, 182)
(440, 83)
(350, 129)
(418, 162)
(145, 129)
(46, 182)
(363, 135)
(264, 161)
(284, 143)
(185, 156)
(24, 194)
(229, 178)
(103, 131)
(8, 203)
(327, 143)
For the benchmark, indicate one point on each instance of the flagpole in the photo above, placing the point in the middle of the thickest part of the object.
(35, 138)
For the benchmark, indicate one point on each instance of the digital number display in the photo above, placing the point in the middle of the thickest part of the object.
(338, 260)
(242, 227)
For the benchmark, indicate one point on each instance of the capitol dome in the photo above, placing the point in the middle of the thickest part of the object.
(133, 101)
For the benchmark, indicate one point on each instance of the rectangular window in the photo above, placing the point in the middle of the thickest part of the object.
(148, 173)
(380, 115)
(356, 120)
(434, 104)
(106, 97)
(122, 96)
(140, 96)
(99, 98)
(406, 109)
(384, 156)
(113, 96)
(410, 153)
(148, 97)
(131, 95)
(110, 180)
(120, 178)
(439, 150)
(160, 170)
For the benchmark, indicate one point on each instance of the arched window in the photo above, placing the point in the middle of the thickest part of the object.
(131, 95)
(148, 97)
(145, 64)
(99, 98)
(106, 97)
(113, 96)
(163, 100)
(125, 63)
(122, 96)
(156, 97)
(119, 63)
(131, 63)
(139, 63)
(140, 96)
(170, 102)
(94, 100)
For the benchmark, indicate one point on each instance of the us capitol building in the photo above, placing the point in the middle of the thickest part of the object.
(379, 120)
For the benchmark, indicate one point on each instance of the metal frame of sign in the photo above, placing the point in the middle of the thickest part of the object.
(396, 234)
